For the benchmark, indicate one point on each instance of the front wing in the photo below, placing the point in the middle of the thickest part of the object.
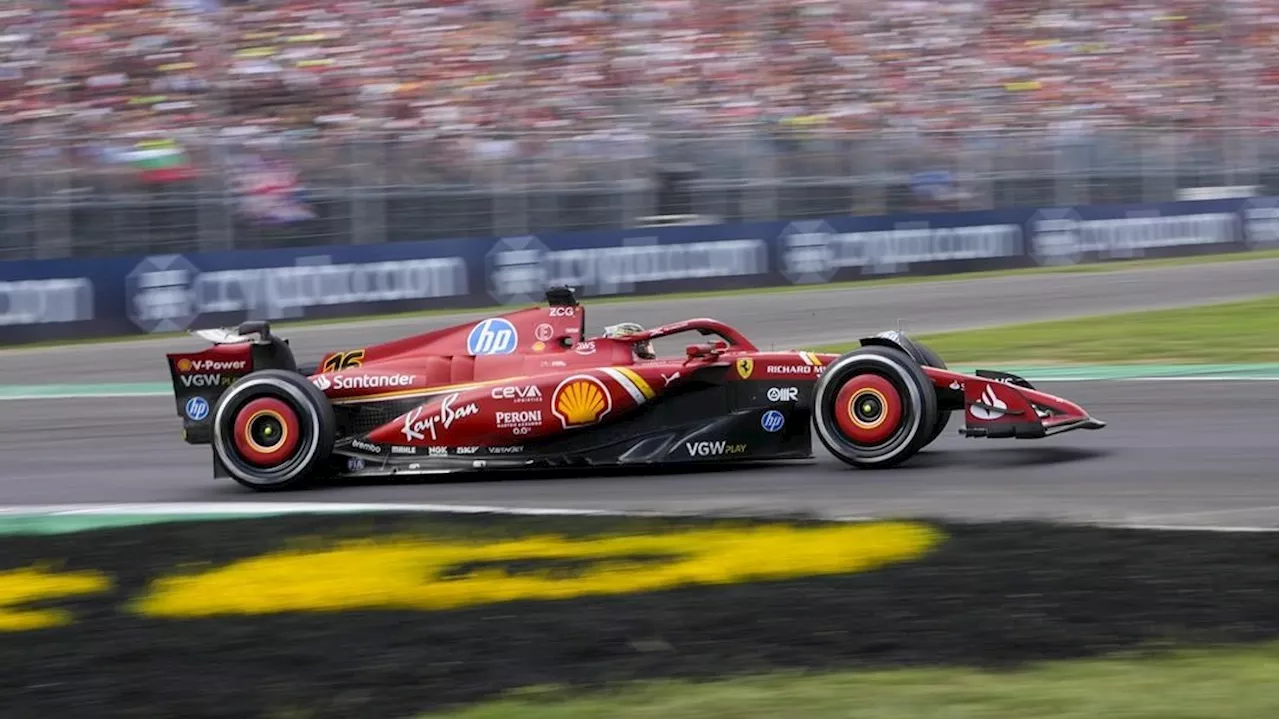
(1004, 405)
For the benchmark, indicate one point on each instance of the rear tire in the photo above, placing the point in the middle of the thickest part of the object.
(273, 430)
(931, 359)
(874, 407)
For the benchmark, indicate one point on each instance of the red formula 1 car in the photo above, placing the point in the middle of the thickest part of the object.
(530, 389)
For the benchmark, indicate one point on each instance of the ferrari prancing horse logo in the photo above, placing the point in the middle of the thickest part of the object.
(745, 366)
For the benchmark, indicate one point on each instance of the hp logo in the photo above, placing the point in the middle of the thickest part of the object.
(772, 421)
(197, 408)
(494, 336)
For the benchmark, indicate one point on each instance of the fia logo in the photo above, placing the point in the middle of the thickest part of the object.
(494, 336)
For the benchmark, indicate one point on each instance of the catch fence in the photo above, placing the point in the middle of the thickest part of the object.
(61, 197)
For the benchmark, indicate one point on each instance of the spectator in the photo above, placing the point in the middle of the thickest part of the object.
(467, 71)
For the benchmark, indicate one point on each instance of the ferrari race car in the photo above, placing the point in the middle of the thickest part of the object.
(529, 389)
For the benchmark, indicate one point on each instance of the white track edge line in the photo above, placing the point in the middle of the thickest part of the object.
(266, 509)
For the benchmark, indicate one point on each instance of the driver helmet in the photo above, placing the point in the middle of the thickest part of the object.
(622, 330)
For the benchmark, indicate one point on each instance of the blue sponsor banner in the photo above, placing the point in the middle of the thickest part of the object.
(167, 293)
(66, 299)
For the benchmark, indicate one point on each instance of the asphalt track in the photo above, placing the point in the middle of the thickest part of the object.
(1175, 453)
(1183, 453)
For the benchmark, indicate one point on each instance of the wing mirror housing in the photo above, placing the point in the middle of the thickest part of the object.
(706, 349)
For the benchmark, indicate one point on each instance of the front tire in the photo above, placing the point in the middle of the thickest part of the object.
(874, 407)
(943, 416)
(273, 430)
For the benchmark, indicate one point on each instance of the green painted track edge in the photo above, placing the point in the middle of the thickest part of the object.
(1031, 372)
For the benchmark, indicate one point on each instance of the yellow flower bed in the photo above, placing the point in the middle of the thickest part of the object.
(431, 574)
(22, 586)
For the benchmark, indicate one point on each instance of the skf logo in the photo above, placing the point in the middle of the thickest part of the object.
(580, 400)
(713, 449)
(745, 367)
(343, 360)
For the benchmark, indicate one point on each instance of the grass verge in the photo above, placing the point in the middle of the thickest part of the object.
(1227, 682)
(1225, 333)
(1109, 266)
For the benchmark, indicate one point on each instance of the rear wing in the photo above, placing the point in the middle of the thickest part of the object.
(199, 378)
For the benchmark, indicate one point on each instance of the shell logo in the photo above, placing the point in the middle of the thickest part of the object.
(580, 400)
(184, 365)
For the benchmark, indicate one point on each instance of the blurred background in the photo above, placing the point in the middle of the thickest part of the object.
(144, 126)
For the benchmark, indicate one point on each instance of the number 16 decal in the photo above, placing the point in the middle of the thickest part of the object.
(343, 360)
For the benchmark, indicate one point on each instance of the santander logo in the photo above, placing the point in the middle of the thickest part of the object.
(994, 408)
(363, 381)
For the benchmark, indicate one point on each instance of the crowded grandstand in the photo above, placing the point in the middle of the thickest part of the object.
(624, 110)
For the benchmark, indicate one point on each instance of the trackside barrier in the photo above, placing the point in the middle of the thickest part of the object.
(126, 295)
